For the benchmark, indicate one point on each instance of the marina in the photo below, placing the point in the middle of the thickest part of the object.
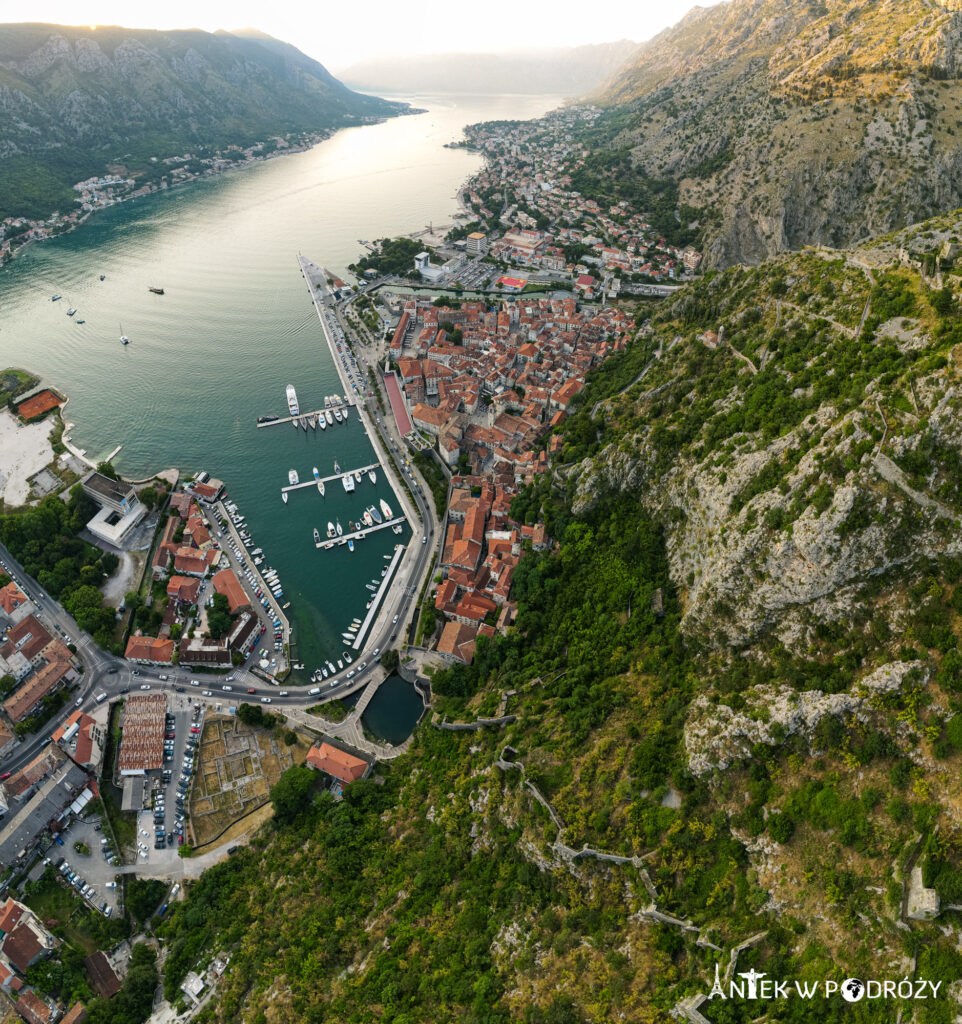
(332, 409)
(314, 481)
(356, 534)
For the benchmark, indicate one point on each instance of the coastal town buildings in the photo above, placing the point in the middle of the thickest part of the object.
(489, 405)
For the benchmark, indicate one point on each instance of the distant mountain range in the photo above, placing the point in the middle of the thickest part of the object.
(75, 99)
(570, 71)
(786, 122)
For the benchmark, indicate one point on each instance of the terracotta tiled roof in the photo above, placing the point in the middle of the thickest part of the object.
(335, 762)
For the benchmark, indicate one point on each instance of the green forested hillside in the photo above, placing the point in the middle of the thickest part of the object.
(75, 99)
(738, 671)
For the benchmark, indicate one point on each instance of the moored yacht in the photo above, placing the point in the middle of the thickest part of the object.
(331, 532)
(348, 482)
(330, 417)
(293, 477)
(372, 476)
(337, 415)
(386, 509)
(339, 528)
(375, 515)
(292, 400)
(317, 537)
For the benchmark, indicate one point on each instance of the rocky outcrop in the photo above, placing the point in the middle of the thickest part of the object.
(717, 736)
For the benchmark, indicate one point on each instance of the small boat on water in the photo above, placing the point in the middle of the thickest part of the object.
(348, 658)
(284, 497)
(80, 321)
(372, 476)
(317, 475)
(71, 311)
(124, 340)
(321, 422)
(348, 482)
(340, 664)
(370, 586)
(293, 477)
(54, 298)
(337, 468)
(347, 636)
(340, 529)
(320, 487)
(324, 672)
(156, 291)
(331, 667)
(368, 518)
(357, 476)
(386, 509)
(330, 417)
(317, 536)
(331, 532)
(313, 422)
(375, 515)
(337, 415)
(350, 545)
(295, 424)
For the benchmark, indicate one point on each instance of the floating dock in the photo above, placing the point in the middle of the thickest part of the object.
(336, 541)
(379, 594)
(328, 479)
(306, 415)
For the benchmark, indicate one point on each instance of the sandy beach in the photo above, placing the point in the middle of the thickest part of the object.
(24, 450)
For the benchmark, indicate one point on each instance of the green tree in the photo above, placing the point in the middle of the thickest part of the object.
(290, 795)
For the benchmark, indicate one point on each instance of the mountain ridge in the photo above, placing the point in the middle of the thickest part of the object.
(75, 99)
(796, 122)
(567, 71)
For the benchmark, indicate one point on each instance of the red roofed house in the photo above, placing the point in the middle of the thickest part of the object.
(185, 589)
(457, 641)
(33, 1009)
(25, 940)
(192, 562)
(226, 583)
(13, 600)
(77, 1014)
(561, 399)
(159, 650)
(337, 763)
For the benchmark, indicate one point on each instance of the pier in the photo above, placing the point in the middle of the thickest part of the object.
(336, 541)
(305, 415)
(378, 596)
(328, 479)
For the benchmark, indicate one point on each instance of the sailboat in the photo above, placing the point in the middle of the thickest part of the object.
(340, 529)
(124, 340)
(284, 496)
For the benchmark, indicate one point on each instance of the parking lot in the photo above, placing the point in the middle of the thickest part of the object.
(93, 869)
(160, 827)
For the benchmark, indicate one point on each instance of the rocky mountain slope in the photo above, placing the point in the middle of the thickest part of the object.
(73, 100)
(569, 71)
(732, 696)
(789, 122)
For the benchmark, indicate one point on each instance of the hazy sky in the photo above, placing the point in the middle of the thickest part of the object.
(340, 32)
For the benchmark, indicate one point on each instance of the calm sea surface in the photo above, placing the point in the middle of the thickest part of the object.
(235, 326)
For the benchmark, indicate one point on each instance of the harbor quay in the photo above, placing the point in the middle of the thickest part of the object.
(415, 553)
